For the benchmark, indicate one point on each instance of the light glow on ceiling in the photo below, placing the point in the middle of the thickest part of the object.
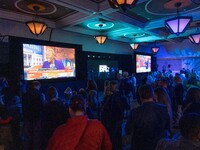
(95, 25)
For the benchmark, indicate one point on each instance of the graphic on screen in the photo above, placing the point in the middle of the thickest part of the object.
(48, 62)
(143, 63)
(104, 68)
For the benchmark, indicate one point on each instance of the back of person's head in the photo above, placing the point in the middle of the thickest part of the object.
(93, 93)
(161, 96)
(113, 85)
(144, 79)
(189, 125)
(91, 85)
(77, 103)
(165, 81)
(125, 74)
(35, 84)
(177, 79)
(182, 71)
(52, 92)
(83, 92)
(106, 83)
(193, 81)
(193, 95)
(150, 79)
(145, 92)
(107, 91)
(68, 93)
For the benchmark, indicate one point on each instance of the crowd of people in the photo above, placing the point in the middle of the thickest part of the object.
(161, 111)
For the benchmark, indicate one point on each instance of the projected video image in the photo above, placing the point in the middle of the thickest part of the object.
(143, 63)
(48, 62)
(102, 69)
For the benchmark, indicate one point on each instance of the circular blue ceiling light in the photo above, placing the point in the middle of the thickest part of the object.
(96, 25)
(131, 35)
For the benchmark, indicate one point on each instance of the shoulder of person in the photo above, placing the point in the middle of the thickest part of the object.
(95, 123)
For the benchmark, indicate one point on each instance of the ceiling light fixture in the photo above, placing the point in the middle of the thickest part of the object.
(195, 38)
(178, 24)
(36, 27)
(100, 39)
(134, 45)
(155, 48)
(123, 4)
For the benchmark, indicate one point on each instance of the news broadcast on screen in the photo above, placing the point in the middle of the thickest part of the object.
(48, 62)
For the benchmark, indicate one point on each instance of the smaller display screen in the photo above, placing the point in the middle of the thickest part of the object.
(143, 63)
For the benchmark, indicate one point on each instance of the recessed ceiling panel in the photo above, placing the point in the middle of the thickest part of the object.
(46, 10)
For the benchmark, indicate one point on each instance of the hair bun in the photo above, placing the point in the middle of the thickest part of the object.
(77, 103)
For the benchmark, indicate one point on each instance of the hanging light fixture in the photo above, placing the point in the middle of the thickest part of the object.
(100, 39)
(195, 38)
(155, 48)
(134, 45)
(123, 4)
(36, 27)
(178, 24)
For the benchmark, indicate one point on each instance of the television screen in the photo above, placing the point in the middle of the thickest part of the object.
(48, 62)
(143, 63)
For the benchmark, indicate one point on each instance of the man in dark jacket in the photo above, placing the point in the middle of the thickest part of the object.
(117, 105)
(32, 105)
(54, 114)
(147, 123)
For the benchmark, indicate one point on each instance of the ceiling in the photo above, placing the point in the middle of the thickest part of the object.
(143, 23)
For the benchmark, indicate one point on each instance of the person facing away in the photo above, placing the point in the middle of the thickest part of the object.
(79, 132)
(148, 123)
(68, 95)
(189, 125)
(32, 105)
(192, 102)
(51, 62)
(53, 115)
(161, 96)
(117, 104)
